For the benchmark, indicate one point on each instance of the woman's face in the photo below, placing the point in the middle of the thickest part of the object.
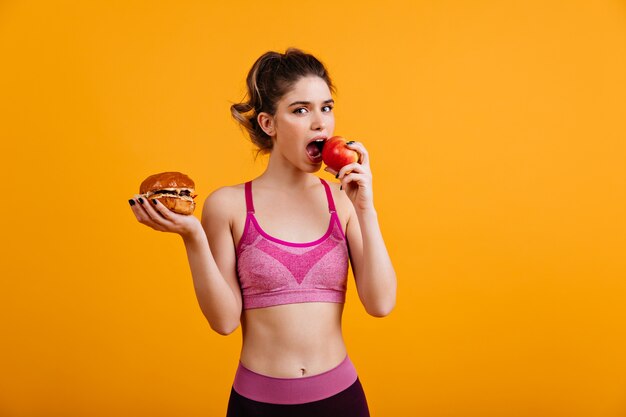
(303, 120)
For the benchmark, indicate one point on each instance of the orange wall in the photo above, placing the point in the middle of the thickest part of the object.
(497, 136)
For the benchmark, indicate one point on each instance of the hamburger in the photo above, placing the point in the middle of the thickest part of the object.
(174, 190)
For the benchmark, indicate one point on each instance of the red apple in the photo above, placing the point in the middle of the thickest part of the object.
(336, 154)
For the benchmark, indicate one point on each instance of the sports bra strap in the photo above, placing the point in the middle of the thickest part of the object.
(249, 204)
(329, 196)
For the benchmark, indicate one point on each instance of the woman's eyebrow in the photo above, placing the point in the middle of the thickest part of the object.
(306, 103)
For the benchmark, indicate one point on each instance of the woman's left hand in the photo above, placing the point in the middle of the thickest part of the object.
(356, 179)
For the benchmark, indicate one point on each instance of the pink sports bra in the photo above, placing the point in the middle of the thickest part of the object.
(274, 272)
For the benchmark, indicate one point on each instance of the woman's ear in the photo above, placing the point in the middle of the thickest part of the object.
(266, 121)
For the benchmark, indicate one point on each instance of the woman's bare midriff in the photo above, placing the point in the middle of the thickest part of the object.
(293, 340)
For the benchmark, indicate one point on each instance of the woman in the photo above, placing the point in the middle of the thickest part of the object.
(257, 257)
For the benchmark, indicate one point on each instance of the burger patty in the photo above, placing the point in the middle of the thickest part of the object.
(182, 193)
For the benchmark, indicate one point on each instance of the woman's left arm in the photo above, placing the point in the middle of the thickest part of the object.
(373, 271)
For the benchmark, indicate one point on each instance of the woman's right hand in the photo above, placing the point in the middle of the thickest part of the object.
(154, 214)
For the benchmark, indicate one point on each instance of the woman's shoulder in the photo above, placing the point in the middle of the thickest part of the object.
(342, 202)
(225, 200)
(227, 192)
(343, 205)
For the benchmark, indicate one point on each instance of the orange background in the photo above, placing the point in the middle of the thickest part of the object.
(498, 141)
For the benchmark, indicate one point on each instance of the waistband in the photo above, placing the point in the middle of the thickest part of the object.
(274, 390)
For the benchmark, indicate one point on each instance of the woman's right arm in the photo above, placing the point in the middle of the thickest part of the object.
(211, 255)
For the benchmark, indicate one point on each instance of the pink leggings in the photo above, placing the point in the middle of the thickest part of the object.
(337, 392)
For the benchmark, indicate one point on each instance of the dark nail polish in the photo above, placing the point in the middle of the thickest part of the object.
(350, 142)
(154, 201)
(140, 200)
(340, 187)
(131, 202)
(337, 176)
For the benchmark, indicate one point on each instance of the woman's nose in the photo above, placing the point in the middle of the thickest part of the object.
(318, 122)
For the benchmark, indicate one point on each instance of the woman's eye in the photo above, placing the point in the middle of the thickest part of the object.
(300, 110)
(327, 108)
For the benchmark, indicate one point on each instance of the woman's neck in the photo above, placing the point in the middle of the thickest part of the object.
(281, 173)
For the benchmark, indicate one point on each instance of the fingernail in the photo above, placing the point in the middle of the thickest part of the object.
(350, 142)
(340, 187)
(140, 200)
(337, 176)
(154, 201)
(131, 202)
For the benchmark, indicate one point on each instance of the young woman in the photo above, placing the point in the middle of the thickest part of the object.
(273, 253)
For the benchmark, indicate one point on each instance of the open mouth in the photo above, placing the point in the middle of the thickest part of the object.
(314, 149)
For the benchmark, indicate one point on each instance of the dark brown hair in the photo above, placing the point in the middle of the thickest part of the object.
(270, 78)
